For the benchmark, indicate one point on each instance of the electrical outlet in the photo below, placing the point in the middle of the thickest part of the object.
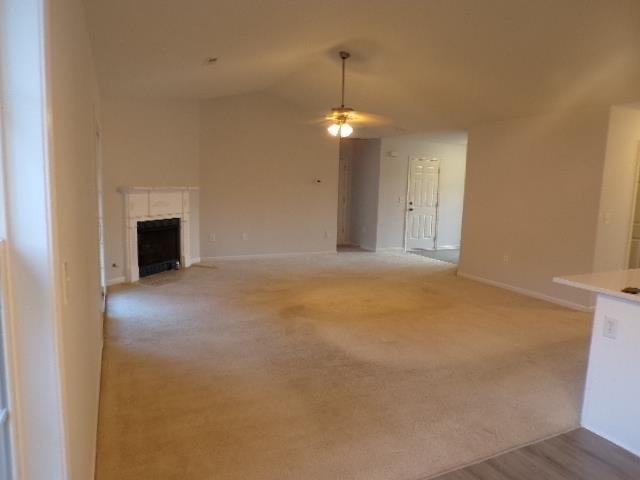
(212, 237)
(506, 258)
(326, 234)
(245, 236)
(610, 328)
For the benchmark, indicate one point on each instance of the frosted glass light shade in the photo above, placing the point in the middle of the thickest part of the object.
(346, 130)
(334, 129)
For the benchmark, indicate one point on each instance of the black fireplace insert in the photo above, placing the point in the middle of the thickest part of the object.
(158, 246)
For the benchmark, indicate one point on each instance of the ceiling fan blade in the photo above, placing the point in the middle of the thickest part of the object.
(369, 119)
(354, 117)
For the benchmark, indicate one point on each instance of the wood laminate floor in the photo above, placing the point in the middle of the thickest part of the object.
(577, 455)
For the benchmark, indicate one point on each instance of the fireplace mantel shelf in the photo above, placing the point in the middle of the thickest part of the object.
(155, 189)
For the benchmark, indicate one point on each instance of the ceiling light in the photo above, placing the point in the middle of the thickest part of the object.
(346, 130)
(340, 115)
(334, 129)
(340, 129)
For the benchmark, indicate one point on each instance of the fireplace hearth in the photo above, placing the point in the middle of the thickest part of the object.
(158, 246)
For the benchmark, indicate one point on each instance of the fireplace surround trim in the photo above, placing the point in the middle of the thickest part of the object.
(154, 203)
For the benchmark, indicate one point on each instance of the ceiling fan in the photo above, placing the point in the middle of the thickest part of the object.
(343, 117)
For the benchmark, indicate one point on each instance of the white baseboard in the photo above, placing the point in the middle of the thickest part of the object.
(267, 255)
(448, 247)
(390, 250)
(441, 247)
(195, 260)
(528, 293)
(115, 281)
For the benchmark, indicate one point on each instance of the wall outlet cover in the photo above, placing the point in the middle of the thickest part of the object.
(610, 328)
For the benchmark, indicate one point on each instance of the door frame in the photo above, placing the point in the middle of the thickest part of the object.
(345, 162)
(100, 194)
(634, 206)
(406, 203)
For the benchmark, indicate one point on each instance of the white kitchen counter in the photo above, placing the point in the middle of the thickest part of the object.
(607, 283)
(612, 393)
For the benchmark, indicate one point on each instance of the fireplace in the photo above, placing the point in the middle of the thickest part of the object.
(150, 204)
(158, 246)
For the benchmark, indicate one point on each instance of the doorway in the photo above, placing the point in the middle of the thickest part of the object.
(421, 225)
(433, 199)
(344, 192)
(634, 242)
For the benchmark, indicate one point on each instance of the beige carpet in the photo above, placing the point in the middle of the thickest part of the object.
(351, 366)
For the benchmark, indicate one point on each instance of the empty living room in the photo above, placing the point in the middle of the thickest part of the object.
(319, 240)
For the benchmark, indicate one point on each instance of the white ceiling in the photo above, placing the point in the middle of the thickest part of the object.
(427, 64)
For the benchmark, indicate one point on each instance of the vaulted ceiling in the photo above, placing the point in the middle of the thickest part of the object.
(427, 64)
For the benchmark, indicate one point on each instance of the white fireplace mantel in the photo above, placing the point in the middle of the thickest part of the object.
(154, 203)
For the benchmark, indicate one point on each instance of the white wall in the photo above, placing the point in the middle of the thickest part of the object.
(365, 185)
(393, 188)
(31, 309)
(146, 143)
(73, 107)
(531, 200)
(260, 159)
(53, 306)
(617, 195)
(610, 406)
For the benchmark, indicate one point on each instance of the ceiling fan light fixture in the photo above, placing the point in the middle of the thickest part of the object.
(334, 129)
(340, 129)
(340, 115)
(345, 130)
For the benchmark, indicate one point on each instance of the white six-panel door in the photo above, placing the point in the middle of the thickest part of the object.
(422, 203)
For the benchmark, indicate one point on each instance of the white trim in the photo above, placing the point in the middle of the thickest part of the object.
(390, 250)
(267, 255)
(448, 247)
(444, 247)
(195, 260)
(528, 293)
(405, 238)
(58, 265)
(115, 281)
(155, 203)
(11, 360)
(634, 207)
